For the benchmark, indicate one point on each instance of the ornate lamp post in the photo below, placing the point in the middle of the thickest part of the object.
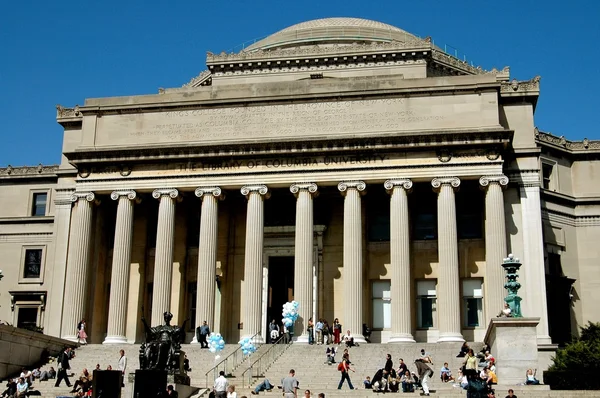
(511, 265)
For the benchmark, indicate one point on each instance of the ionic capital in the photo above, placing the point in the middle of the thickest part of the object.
(501, 180)
(437, 182)
(172, 192)
(311, 187)
(214, 191)
(344, 186)
(131, 195)
(401, 182)
(89, 196)
(259, 188)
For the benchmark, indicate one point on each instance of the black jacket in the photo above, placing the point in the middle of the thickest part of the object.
(64, 360)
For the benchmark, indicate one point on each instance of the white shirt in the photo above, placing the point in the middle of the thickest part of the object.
(122, 363)
(232, 394)
(221, 384)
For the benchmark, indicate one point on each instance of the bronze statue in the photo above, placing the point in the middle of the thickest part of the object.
(161, 349)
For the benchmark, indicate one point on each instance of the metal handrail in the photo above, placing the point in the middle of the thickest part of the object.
(224, 365)
(264, 362)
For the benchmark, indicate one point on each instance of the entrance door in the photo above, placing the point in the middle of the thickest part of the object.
(281, 287)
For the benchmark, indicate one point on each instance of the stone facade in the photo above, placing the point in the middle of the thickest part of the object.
(379, 181)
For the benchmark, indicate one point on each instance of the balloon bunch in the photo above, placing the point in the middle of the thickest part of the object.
(290, 313)
(247, 346)
(215, 342)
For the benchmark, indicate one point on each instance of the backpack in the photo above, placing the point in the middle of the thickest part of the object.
(341, 366)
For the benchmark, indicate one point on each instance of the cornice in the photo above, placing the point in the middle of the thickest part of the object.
(583, 147)
(570, 219)
(27, 220)
(30, 171)
(561, 198)
(529, 87)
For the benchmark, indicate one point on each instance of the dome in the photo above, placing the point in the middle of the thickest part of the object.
(333, 31)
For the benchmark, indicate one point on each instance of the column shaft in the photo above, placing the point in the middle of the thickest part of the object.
(253, 262)
(353, 261)
(77, 265)
(119, 282)
(448, 301)
(400, 262)
(163, 258)
(207, 256)
(303, 260)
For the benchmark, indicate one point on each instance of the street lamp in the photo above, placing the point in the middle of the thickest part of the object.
(511, 265)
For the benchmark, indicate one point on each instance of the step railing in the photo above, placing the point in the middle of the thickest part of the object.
(229, 363)
(258, 368)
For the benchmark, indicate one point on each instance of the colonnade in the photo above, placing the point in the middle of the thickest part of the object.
(448, 279)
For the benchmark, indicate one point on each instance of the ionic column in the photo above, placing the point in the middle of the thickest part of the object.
(119, 281)
(353, 267)
(303, 259)
(495, 243)
(448, 300)
(163, 260)
(77, 264)
(253, 262)
(400, 261)
(207, 256)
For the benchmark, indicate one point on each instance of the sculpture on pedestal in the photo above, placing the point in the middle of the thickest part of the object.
(511, 265)
(161, 349)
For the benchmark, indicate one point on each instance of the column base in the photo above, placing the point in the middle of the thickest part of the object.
(303, 339)
(115, 340)
(401, 339)
(358, 338)
(451, 338)
(72, 338)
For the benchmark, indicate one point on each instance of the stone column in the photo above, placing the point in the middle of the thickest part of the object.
(253, 262)
(303, 256)
(353, 267)
(207, 256)
(495, 243)
(119, 281)
(163, 258)
(77, 264)
(400, 261)
(448, 287)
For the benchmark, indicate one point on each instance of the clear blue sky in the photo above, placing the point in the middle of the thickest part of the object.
(59, 52)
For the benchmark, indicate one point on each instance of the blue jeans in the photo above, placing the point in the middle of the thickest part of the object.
(407, 387)
(265, 385)
(345, 377)
(311, 339)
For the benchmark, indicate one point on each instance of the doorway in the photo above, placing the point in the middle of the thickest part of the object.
(280, 287)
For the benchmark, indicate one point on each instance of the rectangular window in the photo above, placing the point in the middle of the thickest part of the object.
(382, 305)
(547, 175)
(27, 318)
(472, 303)
(425, 226)
(33, 263)
(38, 207)
(192, 293)
(426, 304)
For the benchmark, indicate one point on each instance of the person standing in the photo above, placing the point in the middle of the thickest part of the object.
(344, 367)
(63, 366)
(171, 393)
(310, 329)
(389, 365)
(81, 334)
(122, 366)
(204, 332)
(289, 385)
(220, 386)
(337, 331)
(319, 330)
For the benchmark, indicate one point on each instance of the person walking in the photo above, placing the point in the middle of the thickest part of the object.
(204, 332)
(344, 367)
(220, 386)
(122, 365)
(81, 334)
(289, 385)
(63, 366)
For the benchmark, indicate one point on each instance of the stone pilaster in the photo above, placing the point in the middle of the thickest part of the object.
(77, 264)
(400, 261)
(207, 256)
(495, 243)
(119, 282)
(253, 262)
(448, 300)
(353, 259)
(163, 261)
(303, 259)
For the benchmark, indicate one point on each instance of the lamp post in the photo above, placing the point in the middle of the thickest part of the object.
(511, 265)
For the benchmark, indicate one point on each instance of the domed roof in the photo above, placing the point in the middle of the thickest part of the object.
(333, 31)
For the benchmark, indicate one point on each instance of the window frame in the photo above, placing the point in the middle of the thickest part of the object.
(553, 179)
(464, 304)
(32, 194)
(434, 315)
(384, 300)
(40, 279)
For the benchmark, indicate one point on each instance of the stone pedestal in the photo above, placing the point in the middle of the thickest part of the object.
(513, 342)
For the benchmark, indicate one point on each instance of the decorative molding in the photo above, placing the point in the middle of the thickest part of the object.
(203, 79)
(439, 181)
(401, 182)
(62, 112)
(583, 146)
(444, 155)
(454, 62)
(526, 178)
(259, 188)
(172, 192)
(521, 86)
(311, 187)
(360, 186)
(214, 191)
(89, 196)
(131, 195)
(502, 180)
(40, 169)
